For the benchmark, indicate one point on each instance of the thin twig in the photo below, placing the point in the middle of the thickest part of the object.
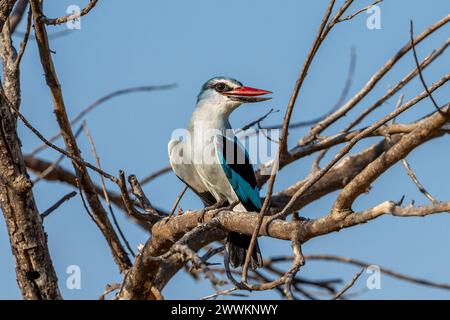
(62, 151)
(283, 151)
(257, 121)
(339, 102)
(155, 175)
(299, 261)
(71, 17)
(56, 163)
(416, 59)
(26, 36)
(190, 254)
(58, 203)
(405, 163)
(351, 16)
(391, 91)
(147, 218)
(109, 288)
(389, 272)
(105, 192)
(361, 94)
(83, 200)
(348, 286)
(351, 144)
(302, 75)
(263, 211)
(327, 285)
(315, 166)
(417, 182)
(220, 293)
(137, 191)
(100, 101)
(284, 279)
(177, 201)
(212, 252)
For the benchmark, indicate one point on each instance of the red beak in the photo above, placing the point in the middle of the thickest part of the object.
(246, 92)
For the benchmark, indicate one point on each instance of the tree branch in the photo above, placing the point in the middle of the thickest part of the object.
(70, 17)
(99, 213)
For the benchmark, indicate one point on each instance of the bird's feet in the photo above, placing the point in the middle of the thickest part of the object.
(227, 208)
(214, 207)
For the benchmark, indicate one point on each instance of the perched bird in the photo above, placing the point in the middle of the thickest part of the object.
(212, 162)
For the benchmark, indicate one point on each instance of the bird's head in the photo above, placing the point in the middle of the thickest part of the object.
(226, 94)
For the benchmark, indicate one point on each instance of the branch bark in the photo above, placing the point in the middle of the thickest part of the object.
(17, 14)
(396, 153)
(35, 273)
(99, 213)
(6, 7)
(36, 276)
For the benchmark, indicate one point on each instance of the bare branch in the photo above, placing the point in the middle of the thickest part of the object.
(283, 153)
(339, 102)
(55, 164)
(263, 212)
(26, 36)
(425, 63)
(75, 158)
(256, 122)
(109, 288)
(155, 175)
(417, 182)
(99, 213)
(317, 129)
(439, 122)
(416, 59)
(105, 192)
(348, 285)
(144, 273)
(351, 16)
(177, 200)
(189, 254)
(307, 229)
(389, 272)
(6, 7)
(220, 293)
(17, 14)
(323, 31)
(137, 191)
(99, 102)
(35, 273)
(65, 198)
(397, 152)
(70, 17)
(148, 218)
(299, 261)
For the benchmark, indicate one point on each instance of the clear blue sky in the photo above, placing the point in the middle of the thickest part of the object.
(263, 44)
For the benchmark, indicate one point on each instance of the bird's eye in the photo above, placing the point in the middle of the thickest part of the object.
(221, 87)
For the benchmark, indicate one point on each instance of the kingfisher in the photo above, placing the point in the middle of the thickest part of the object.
(214, 164)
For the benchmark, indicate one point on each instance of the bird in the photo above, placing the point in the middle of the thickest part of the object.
(212, 162)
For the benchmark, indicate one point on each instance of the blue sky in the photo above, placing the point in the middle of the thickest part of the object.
(263, 44)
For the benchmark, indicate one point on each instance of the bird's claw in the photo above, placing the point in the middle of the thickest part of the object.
(227, 208)
(216, 207)
(201, 219)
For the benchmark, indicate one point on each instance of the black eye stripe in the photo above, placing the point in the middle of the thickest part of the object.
(221, 87)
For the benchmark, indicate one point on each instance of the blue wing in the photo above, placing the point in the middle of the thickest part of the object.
(236, 164)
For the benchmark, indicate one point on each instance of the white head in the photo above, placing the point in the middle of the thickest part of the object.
(222, 95)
